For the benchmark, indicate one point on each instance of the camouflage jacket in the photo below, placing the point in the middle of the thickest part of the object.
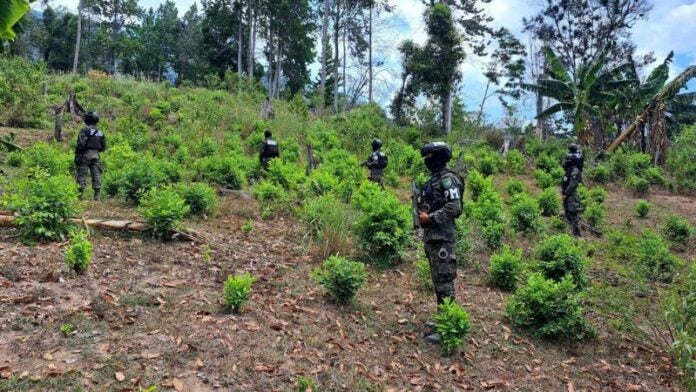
(441, 197)
(571, 181)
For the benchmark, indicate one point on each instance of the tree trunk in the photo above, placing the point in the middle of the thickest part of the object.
(58, 124)
(369, 55)
(447, 113)
(278, 65)
(324, 55)
(479, 116)
(78, 40)
(240, 47)
(337, 32)
(541, 132)
(252, 41)
(270, 55)
(345, 85)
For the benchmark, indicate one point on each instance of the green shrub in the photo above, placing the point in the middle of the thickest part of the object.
(43, 204)
(423, 275)
(493, 234)
(208, 147)
(305, 384)
(224, 171)
(552, 309)
(199, 197)
(46, 157)
(677, 229)
(268, 192)
(515, 162)
(622, 246)
(248, 227)
(680, 159)
(478, 184)
(66, 329)
(488, 165)
(330, 223)
(639, 185)
(515, 187)
(286, 174)
(322, 182)
(600, 174)
(452, 325)
(643, 208)
(681, 315)
(506, 269)
(236, 291)
(22, 103)
(595, 215)
(549, 202)
(558, 256)
(546, 163)
(14, 158)
(544, 180)
(654, 176)
(141, 178)
(655, 261)
(384, 229)
(342, 278)
(78, 255)
(557, 225)
(164, 209)
(488, 208)
(589, 196)
(524, 215)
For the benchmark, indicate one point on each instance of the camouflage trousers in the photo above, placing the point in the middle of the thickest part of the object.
(443, 267)
(85, 167)
(572, 208)
(377, 176)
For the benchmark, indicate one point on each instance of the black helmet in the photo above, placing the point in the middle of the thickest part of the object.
(267, 134)
(376, 144)
(574, 148)
(91, 118)
(436, 155)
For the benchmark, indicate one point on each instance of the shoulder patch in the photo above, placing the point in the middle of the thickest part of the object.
(446, 182)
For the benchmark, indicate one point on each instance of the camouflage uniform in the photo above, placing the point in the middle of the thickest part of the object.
(441, 197)
(269, 151)
(90, 142)
(376, 163)
(571, 201)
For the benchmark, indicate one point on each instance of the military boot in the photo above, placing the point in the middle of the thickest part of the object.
(433, 338)
(97, 194)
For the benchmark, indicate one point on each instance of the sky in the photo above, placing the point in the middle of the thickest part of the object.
(669, 26)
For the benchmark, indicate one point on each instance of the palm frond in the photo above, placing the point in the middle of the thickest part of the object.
(556, 66)
(11, 11)
(556, 108)
(672, 88)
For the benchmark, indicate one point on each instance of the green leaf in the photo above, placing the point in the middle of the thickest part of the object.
(11, 11)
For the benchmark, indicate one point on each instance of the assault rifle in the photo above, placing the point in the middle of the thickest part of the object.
(414, 206)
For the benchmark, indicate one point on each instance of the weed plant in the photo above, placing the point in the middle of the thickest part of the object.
(342, 278)
(78, 255)
(452, 325)
(506, 269)
(236, 291)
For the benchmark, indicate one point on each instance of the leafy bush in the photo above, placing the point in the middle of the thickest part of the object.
(46, 157)
(549, 202)
(551, 308)
(680, 159)
(423, 275)
(546, 163)
(22, 103)
(342, 278)
(384, 229)
(624, 163)
(677, 229)
(557, 225)
(43, 204)
(515, 187)
(223, 171)
(268, 192)
(199, 197)
(655, 261)
(643, 208)
(248, 227)
(236, 291)
(493, 234)
(478, 184)
(515, 162)
(544, 180)
(14, 158)
(78, 255)
(286, 174)
(595, 215)
(488, 164)
(559, 256)
(505, 269)
(589, 196)
(524, 215)
(164, 209)
(452, 325)
(305, 384)
(681, 315)
(330, 223)
(322, 182)
(141, 178)
(600, 174)
(639, 185)
(654, 176)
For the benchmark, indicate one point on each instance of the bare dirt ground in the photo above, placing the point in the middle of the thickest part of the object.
(149, 313)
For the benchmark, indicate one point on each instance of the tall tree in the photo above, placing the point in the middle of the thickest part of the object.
(78, 38)
(188, 49)
(116, 15)
(579, 30)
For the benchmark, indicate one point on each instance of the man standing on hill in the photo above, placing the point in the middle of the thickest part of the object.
(90, 143)
(439, 205)
(269, 149)
(376, 163)
(573, 165)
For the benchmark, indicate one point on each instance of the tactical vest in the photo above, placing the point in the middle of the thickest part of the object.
(270, 149)
(381, 160)
(95, 140)
(436, 200)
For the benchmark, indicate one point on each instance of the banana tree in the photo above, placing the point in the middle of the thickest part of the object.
(663, 106)
(11, 11)
(583, 96)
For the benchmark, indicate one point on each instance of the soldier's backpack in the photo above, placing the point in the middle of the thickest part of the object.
(270, 149)
(382, 160)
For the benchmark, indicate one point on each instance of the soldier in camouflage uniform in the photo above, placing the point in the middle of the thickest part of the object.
(440, 203)
(376, 163)
(90, 143)
(269, 149)
(573, 165)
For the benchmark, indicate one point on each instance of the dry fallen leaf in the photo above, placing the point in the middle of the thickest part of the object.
(119, 376)
(48, 356)
(149, 355)
(178, 385)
